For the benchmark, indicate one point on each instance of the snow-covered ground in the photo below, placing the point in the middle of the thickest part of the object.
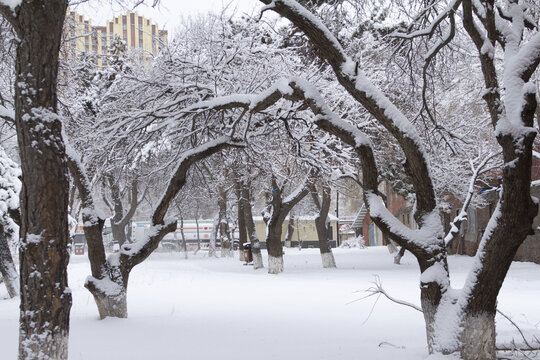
(215, 308)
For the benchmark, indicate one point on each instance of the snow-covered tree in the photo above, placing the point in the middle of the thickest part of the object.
(455, 319)
(10, 187)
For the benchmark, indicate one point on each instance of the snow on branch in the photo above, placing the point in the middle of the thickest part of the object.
(133, 254)
(296, 89)
(430, 29)
(350, 76)
(462, 216)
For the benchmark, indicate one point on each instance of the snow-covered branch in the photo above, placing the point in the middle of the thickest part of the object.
(462, 215)
(350, 76)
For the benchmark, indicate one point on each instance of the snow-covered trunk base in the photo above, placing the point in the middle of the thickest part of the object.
(328, 260)
(274, 247)
(111, 306)
(478, 337)
(257, 259)
(275, 264)
(110, 295)
(56, 344)
(226, 250)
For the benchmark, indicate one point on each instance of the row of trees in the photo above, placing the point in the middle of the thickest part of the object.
(290, 111)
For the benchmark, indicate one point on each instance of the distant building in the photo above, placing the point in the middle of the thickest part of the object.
(138, 33)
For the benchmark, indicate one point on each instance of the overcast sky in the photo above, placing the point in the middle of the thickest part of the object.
(169, 13)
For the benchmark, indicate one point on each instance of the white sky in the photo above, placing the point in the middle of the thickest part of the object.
(169, 13)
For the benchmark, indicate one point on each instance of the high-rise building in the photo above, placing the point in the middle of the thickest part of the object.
(139, 34)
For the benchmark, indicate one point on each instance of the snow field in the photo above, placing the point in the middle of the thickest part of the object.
(215, 308)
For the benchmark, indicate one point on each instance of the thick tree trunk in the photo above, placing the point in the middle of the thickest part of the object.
(119, 233)
(321, 224)
(45, 296)
(274, 246)
(478, 337)
(110, 294)
(275, 218)
(7, 266)
(251, 230)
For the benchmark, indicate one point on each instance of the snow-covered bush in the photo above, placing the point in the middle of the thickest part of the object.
(10, 186)
(355, 242)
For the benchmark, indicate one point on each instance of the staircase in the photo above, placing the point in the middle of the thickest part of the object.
(359, 219)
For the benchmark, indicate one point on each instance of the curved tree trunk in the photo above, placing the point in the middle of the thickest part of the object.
(109, 280)
(278, 211)
(321, 224)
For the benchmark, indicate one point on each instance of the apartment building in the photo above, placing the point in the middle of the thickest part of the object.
(138, 32)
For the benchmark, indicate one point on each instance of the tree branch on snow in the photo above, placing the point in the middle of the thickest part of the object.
(378, 289)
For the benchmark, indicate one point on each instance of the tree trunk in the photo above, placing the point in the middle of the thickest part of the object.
(184, 244)
(110, 294)
(478, 337)
(119, 233)
(290, 233)
(7, 266)
(251, 230)
(224, 234)
(242, 232)
(274, 247)
(279, 210)
(45, 296)
(321, 224)
(213, 237)
(198, 234)
(399, 255)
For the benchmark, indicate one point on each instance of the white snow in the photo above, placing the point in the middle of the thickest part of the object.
(205, 308)
(11, 3)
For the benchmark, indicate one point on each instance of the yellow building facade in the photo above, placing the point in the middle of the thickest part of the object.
(140, 35)
(304, 232)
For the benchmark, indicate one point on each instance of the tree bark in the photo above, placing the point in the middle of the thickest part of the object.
(321, 224)
(7, 266)
(45, 296)
(120, 219)
(251, 230)
(242, 231)
(223, 224)
(184, 243)
(279, 210)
